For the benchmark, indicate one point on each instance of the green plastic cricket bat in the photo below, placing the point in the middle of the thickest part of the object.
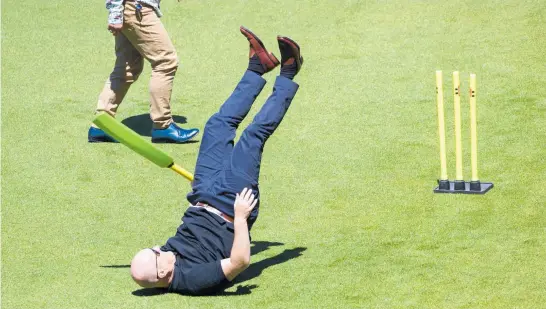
(138, 144)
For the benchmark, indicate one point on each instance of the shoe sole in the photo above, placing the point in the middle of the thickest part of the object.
(168, 141)
(101, 140)
(295, 47)
(268, 59)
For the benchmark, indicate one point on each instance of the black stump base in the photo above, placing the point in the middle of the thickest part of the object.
(463, 187)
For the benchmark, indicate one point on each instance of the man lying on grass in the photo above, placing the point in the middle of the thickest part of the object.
(212, 245)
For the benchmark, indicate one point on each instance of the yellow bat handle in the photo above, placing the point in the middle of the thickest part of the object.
(181, 171)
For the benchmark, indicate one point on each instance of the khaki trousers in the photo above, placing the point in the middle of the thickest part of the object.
(143, 36)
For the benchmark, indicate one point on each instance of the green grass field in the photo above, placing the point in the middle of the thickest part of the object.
(348, 217)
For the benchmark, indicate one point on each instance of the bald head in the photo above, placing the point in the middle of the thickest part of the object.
(152, 268)
(143, 268)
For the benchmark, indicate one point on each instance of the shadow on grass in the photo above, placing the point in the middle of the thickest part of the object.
(115, 266)
(253, 271)
(142, 124)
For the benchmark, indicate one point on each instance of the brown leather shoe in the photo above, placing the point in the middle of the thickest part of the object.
(290, 52)
(267, 59)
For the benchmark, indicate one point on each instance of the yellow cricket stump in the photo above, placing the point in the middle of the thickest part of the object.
(457, 119)
(441, 126)
(474, 186)
(182, 171)
(473, 129)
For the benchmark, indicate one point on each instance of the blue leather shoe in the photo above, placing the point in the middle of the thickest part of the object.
(96, 135)
(173, 134)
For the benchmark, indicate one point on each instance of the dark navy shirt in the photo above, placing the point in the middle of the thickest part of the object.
(201, 242)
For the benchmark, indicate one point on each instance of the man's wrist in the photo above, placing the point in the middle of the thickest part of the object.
(239, 220)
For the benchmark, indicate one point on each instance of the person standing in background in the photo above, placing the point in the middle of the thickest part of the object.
(139, 34)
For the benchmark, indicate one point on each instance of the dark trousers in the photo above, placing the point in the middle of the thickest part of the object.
(224, 169)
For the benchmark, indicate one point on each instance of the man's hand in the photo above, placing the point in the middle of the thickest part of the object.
(115, 28)
(244, 203)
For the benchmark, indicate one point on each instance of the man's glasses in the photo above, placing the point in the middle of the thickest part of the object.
(157, 254)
